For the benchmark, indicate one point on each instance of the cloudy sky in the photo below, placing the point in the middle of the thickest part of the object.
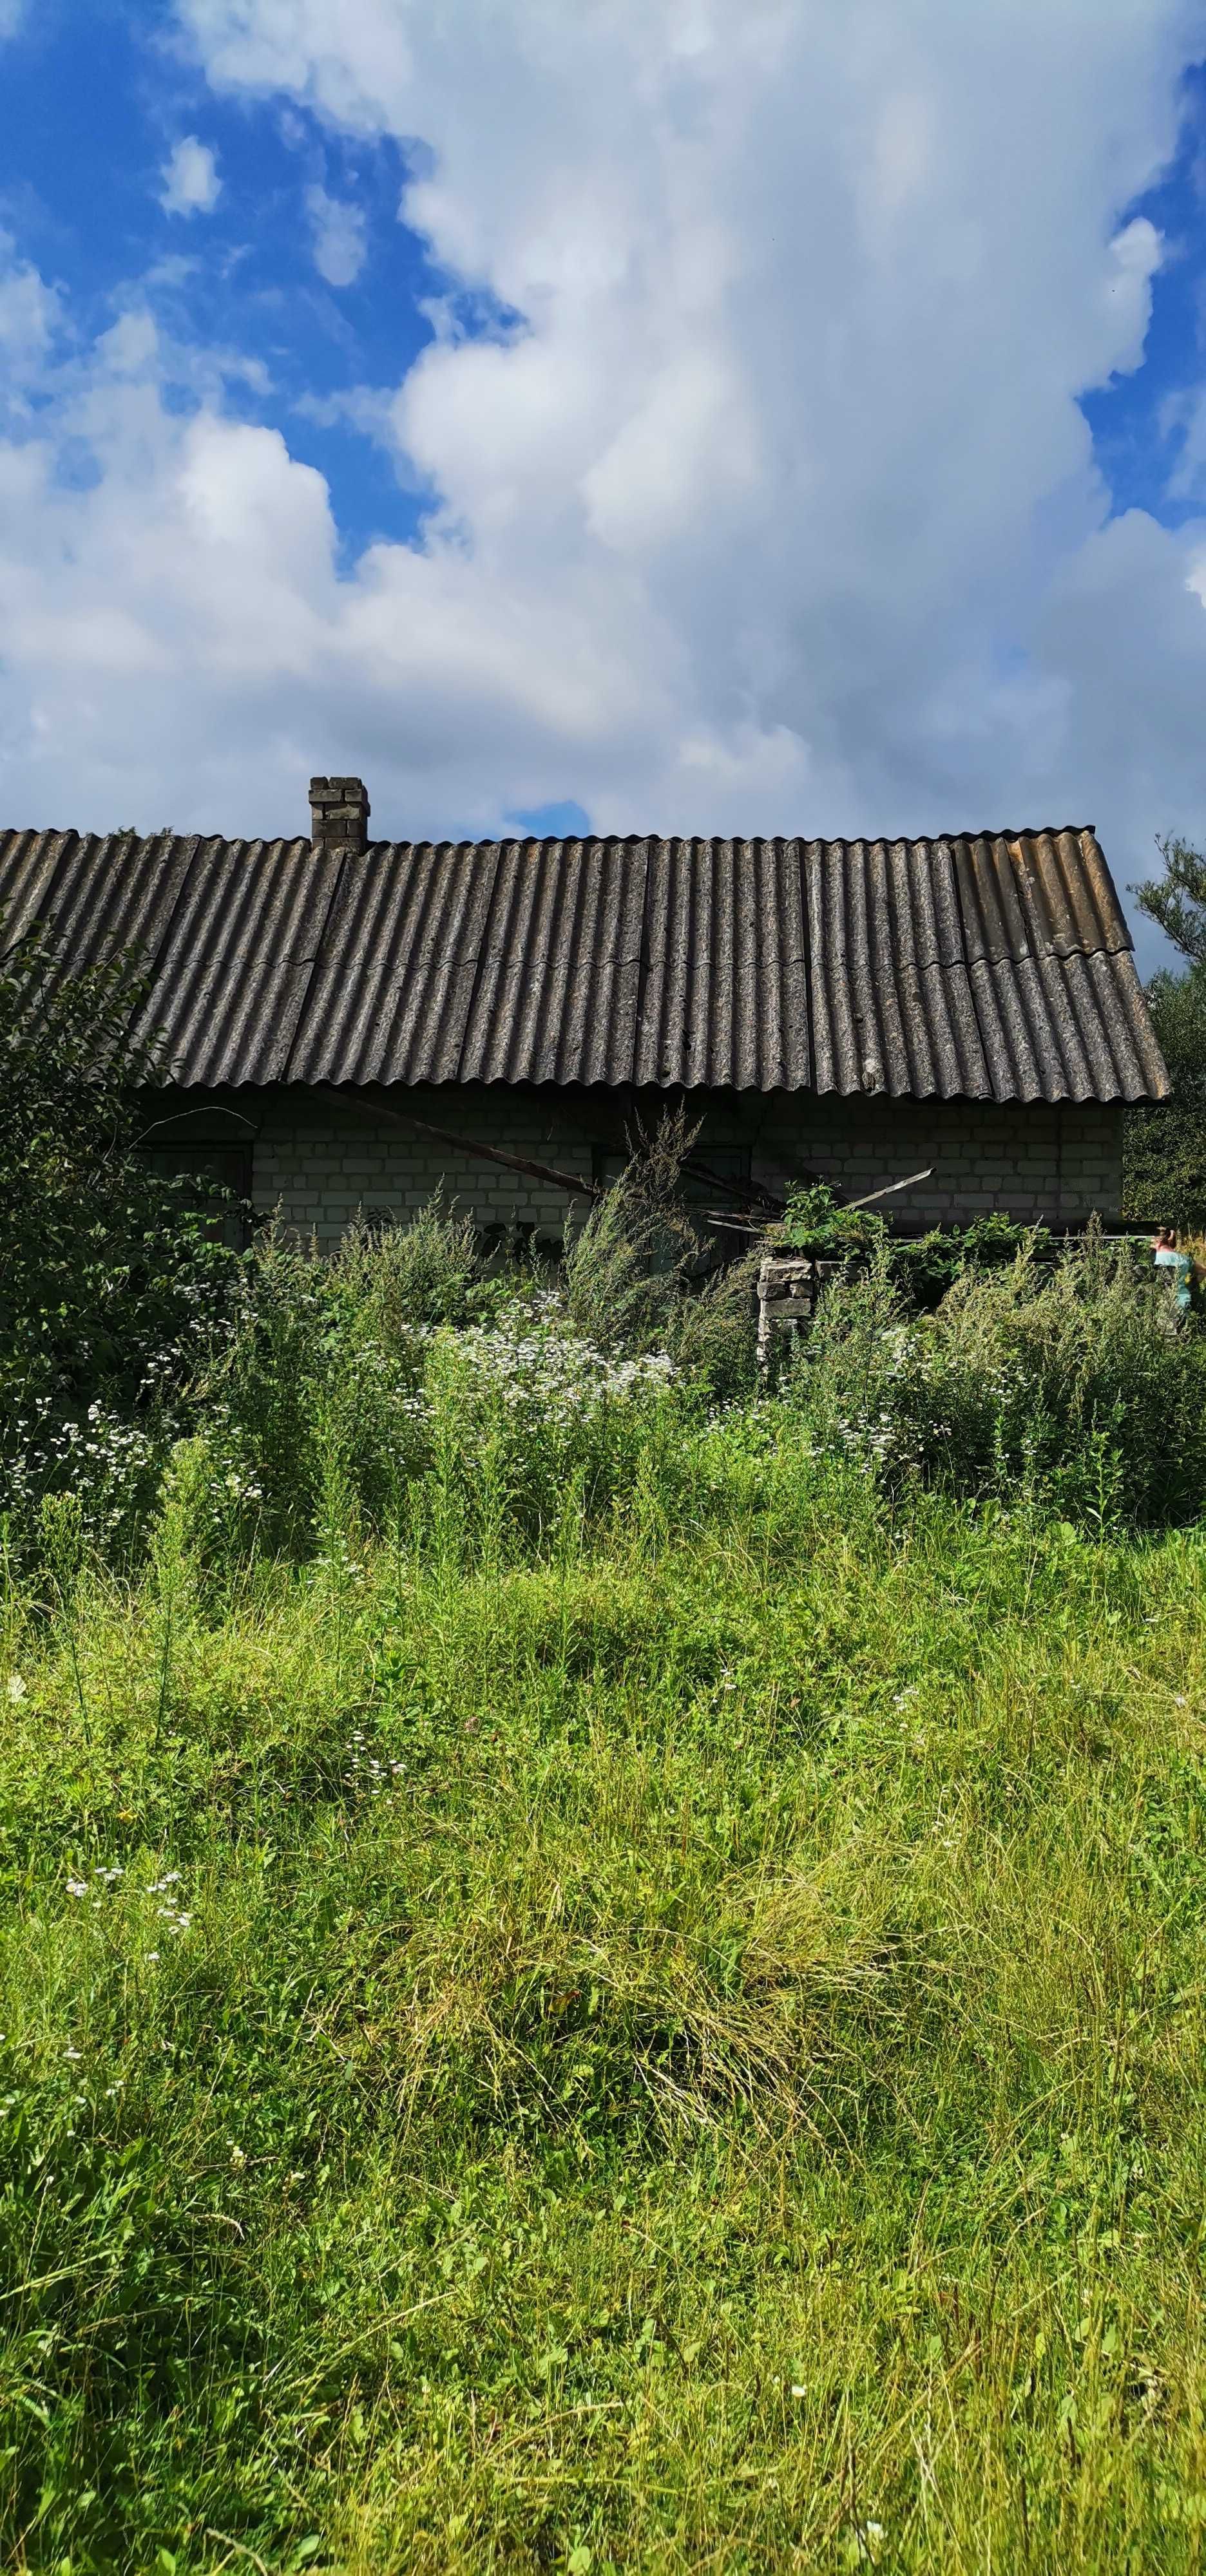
(661, 414)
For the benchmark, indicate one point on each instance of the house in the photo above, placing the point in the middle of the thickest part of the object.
(350, 1023)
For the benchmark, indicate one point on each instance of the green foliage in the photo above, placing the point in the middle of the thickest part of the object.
(1164, 1159)
(1164, 1169)
(427, 1271)
(710, 1333)
(684, 2054)
(446, 1932)
(1177, 899)
(597, 1979)
(336, 1405)
(815, 1222)
(626, 1268)
(1070, 1389)
(925, 1267)
(110, 1281)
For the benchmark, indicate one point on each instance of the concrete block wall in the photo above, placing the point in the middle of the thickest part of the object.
(1035, 1161)
(319, 1163)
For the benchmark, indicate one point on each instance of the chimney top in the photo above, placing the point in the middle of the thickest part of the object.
(339, 813)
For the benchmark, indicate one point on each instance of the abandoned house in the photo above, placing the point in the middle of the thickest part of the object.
(349, 1024)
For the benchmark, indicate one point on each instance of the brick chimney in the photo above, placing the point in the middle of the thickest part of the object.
(339, 813)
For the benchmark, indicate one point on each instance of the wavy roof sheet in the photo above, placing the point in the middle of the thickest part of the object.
(993, 966)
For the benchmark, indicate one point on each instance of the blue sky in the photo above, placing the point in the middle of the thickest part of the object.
(653, 419)
(95, 99)
(1140, 421)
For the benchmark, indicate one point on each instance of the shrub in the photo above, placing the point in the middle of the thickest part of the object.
(112, 1284)
(339, 1401)
(533, 1430)
(427, 1271)
(815, 1222)
(1072, 1388)
(1164, 1142)
(926, 1266)
(625, 1270)
(710, 1332)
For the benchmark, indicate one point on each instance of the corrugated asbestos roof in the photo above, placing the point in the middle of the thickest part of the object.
(994, 966)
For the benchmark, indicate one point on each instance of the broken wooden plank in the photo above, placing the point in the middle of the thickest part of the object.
(472, 1146)
(890, 1191)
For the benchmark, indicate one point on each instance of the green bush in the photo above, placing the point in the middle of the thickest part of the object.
(426, 1271)
(113, 1284)
(1074, 1387)
(926, 1266)
(1164, 1142)
(817, 1223)
(339, 1401)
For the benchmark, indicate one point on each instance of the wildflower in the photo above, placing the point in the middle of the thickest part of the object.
(77, 1887)
(153, 1958)
(17, 1689)
(73, 2054)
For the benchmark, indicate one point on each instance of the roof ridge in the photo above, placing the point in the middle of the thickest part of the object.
(565, 840)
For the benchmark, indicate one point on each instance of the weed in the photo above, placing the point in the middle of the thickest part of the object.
(680, 2047)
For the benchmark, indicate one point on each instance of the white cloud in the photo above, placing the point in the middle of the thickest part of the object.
(191, 185)
(778, 513)
(338, 237)
(29, 317)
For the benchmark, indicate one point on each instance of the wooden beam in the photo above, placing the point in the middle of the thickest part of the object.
(472, 1146)
(890, 1192)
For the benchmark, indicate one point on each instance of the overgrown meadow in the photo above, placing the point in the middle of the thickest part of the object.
(604, 1969)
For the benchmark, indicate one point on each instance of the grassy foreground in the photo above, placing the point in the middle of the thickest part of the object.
(687, 2056)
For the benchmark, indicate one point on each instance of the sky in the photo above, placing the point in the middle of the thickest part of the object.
(646, 415)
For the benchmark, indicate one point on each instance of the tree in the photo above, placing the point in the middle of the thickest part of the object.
(110, 1275)
(1177, 900)
(1164, 1145)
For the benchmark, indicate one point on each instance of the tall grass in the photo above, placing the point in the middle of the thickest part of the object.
(681, 2049)
(1074, 1388)
(602, 1972)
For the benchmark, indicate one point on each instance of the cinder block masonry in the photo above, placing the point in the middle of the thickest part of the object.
(320, 1164)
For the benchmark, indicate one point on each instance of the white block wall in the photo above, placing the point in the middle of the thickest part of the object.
(319, 1164)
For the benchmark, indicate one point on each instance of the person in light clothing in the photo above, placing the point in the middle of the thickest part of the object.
(1183, 1271)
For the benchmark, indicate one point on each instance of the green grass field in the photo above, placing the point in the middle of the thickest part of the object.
(683, 2056)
